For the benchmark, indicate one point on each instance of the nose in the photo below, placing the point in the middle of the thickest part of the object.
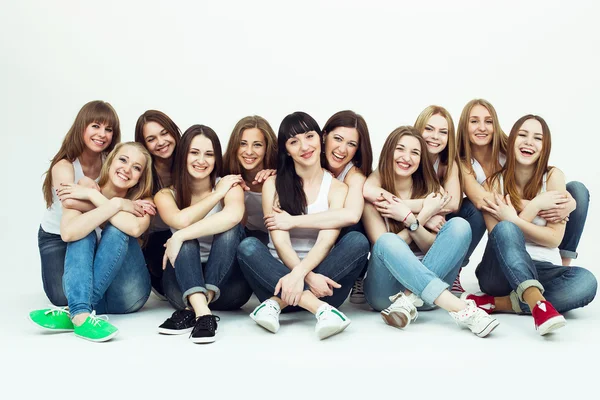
(481, 126)
(343, 148)
(435, 134)
(303, 144)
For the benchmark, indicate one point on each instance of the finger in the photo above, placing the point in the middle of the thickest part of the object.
(488, 209)
(277, 288)
(388, 197)
(165, 258)
(277, 209)
(333, 283)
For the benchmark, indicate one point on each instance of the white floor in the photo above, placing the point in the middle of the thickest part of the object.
(432, 357)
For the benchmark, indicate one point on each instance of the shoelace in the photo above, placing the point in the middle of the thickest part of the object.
(208, 322)
(179, 315)
(97, 319)
(407, 304)
(54, 310)
(358, 286)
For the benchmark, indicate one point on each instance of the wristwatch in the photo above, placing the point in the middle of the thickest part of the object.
(414, 226)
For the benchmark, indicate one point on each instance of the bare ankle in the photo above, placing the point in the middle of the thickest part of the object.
(79, 319)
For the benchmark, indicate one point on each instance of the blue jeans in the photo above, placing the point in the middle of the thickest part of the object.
(474, 217)
(110, 277)
(393, 267)
(52, 257)
(221, 273)
(574, 228)
(154, 251)
(507, 270)
(343, 264)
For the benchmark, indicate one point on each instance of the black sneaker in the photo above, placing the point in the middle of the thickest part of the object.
(205, 329)
(182, 321)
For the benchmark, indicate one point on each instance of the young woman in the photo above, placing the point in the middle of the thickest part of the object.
(159, 134)
(409, 264)
(104, 266)
(348, 156)
(92, 136)
(204, 213)
(482, 150)
(252, 154)
(521, 268)
(302, 267)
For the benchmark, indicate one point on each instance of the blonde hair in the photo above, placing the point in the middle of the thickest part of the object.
(499, 138)
(73, 145)
(143, 188)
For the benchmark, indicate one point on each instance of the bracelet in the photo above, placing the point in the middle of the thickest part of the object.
(410, 212)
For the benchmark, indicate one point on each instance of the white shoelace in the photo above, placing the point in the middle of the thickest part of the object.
(54, 310)
(96, 319)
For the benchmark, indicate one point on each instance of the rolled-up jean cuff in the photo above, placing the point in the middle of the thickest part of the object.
(569, 254)
(526, 285)
(191, 291)
(433, 290)
(515, 303)
(214, 289)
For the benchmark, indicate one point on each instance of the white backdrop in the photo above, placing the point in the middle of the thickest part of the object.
(215, 62)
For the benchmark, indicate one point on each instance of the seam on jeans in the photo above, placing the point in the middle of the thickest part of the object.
(387, 265)
(125, 247)
(90, 281)
(191, 291)
(502, 259)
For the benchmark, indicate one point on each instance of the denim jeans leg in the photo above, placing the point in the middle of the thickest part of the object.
(261, 269)
(130, 288)
(52, 257)
(574, 228)
(222, 260)
(78, 279)
(343, 264)
(474, 217)
(154, 251)
(380, 284)
(490, 275)
(189, 270)
(171, 288)
(234, 293)
(358, 227)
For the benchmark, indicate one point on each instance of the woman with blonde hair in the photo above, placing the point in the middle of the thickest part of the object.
(252, 154)
(410, 265)
(104, 266)
(521, 268)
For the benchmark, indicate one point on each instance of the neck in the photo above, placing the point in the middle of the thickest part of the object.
(309, 174)
(163, 166)
(483, 154)
(337, 171)
(523, 175)
(109, 191)
(202, 186)
(89, 158)
(403, 184)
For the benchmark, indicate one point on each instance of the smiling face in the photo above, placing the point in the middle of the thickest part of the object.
(407, 156)
(341, 145)
(304, 148)
(127, 167)
(529, 142)
(201, 157)
(97, 137)
(481, 126)
(435, 134)
(252, 149)
(159, 142)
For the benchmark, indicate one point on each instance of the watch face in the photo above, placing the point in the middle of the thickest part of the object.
(414, 226)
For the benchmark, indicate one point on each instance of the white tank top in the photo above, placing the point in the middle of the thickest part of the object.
(303, 239)
(536, 251)
(254, 211)
(205, 242)
(51, 218)
(478, 169)
(343, 174)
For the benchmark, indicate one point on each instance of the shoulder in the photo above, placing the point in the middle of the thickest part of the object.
(338, 187)
(555, 176)
(354, 176)
(165, 193)
(63, 165)
(374, 178)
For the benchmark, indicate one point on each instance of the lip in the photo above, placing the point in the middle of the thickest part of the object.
(337, 157)
(249, 160)
(163, 149)
(199, 168)
(403, 165)
(99, 143)
(122, 176)
(524, 153)
(307, 155)
(433, 144)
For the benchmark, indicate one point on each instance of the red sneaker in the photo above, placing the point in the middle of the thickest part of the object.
(546, 317)
(457, 288)
(483, 301)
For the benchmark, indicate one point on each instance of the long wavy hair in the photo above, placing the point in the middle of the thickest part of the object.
(163, 120)
(287, 182)
(73, 145)
(182, 180)
(499, 138)
(509, 171)
(230, 160)
(424, 179)
(363, 159)
(143, 188)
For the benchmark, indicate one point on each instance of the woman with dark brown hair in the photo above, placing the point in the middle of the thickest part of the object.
(204, 213)
(410, 265)
(521, 268)
(160, 135)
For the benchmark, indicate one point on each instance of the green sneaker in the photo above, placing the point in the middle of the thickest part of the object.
(55, 319)
(96, 329)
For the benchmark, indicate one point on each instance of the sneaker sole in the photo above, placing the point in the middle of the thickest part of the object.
(488, 329)
(266, 324)
(329, 331)
(204, 340)
(166, 331)
(49, 329)
(397, 319)
(104, 339)
(551, 325)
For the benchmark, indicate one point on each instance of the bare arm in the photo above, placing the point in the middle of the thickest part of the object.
(372, 190)
(75, 225)
(63, 172)
(452, 187)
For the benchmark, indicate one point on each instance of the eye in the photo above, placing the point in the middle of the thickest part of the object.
(123, 159)
(522, 135)
(293, 142)
(338, 139)
(109, 130)
(96, 126)
(194, 152)
(473, 121)
(150, 140)
(138, 168)
(489, 122)
(209, 154)
(428, 128)
(309, 136)
(444, 132)
(258, 145)
(538, 138)
(352, 144)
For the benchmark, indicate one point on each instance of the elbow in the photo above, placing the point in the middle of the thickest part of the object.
(67, 236)
(69, 203)
(137, 231)
(180, 223)
(353, 219)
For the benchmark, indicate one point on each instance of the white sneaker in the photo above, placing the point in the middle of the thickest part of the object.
(474, 318)
(267, 315)
(402, 311)
(357, 295)
(330, 321)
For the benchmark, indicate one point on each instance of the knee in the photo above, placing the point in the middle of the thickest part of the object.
(587, 286)
(135, 295)
(232, 234)
(56, 295)
(459, 229)
(579, 191)
(190, 246)
(505, 229)
(376, 299)
(357, 241)
(385, 242)
(113, 231)
(247, 249)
